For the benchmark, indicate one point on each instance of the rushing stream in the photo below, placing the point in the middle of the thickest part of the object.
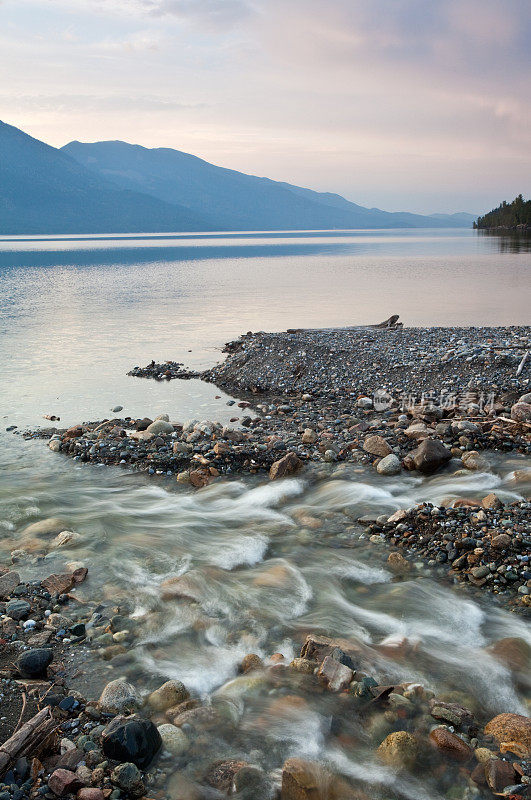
(261, 565)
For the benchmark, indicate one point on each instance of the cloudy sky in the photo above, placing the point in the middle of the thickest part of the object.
(421, 105)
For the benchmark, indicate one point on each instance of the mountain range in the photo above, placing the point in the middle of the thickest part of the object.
(116, 187)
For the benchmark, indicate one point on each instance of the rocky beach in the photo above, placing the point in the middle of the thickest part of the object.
(395, 415)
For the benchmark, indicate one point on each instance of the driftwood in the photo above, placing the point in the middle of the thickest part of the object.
(515, 421)
(30, 740)
(522, 363)
(392, 322)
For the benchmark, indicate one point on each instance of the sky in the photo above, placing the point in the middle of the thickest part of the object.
(419, 105)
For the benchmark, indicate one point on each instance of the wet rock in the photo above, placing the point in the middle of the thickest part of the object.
(251, 783)
(288, 465)
(45, 527)
(34, 663)
(512, 732)
(65, 538)
(450, 745)
(8, 582)
(200, 477)
(399, 750)
(430, 456)
(170, 694)
(58, 583)
(475, 461)
(173, 739)
(398, 564)
(492, 502)
(452, 713)
(303, 665)
(251, 662)
(63, 782)
(119, 697)
(221, 774)
(499, 774)
(308, 780)
(512, 651)
(376, 446)
(334, 675)
(390, 465)
(129, 779)
(131, 739)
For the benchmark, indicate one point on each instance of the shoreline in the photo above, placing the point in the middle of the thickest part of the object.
(309, 410)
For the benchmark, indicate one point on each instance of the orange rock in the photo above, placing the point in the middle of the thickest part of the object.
(512, 732)
(451, 745)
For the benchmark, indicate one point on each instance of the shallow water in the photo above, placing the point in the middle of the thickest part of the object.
(262, 564)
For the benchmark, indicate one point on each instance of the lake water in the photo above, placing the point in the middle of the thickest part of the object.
(78, 313)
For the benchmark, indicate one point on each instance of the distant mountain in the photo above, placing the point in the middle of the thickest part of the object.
(234, 200)
(44, 190)
(115, 187)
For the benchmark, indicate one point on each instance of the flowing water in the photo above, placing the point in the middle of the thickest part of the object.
(261, 565)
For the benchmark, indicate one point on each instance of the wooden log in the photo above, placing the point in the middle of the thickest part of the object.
(29, 739)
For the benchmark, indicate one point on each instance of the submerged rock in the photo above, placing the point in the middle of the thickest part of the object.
(399, 750)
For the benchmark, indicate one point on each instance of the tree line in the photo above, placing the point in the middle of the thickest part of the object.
(513, 215)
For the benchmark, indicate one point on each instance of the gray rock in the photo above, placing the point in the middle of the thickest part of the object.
(119, 696)
(128, 777)
(160, 426)
(390, 465)
(8, 582)
(430, 455)
(17, 609)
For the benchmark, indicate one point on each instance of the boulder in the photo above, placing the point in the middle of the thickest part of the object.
(390, 465)
(118, 697)
(512, 733)
(288, 465)
(450, 745)
(430, 455)
(131, 739)
(376, 446)
(399, 750)
(492, 502)
(309, 436)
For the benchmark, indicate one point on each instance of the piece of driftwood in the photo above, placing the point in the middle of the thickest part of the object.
(514, 421)
(392, 322)
(522, 363)
(30, 740)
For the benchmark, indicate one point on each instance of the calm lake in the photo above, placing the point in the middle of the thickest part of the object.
(78, 313)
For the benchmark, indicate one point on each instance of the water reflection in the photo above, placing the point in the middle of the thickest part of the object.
(506, 242)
